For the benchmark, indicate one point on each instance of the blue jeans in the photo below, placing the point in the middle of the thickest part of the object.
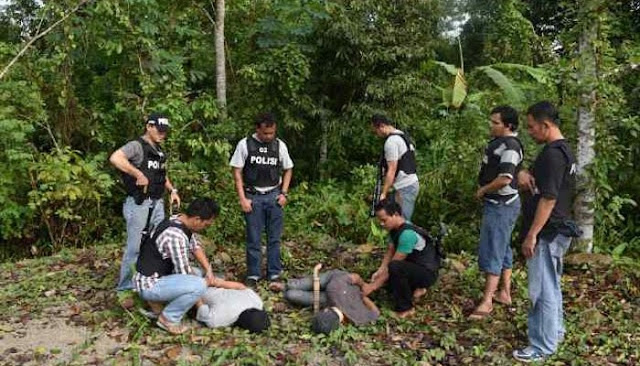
(136, 219)
(406, 197)
(266, 214)
(494, 252)
(546, 321)
(179, 291)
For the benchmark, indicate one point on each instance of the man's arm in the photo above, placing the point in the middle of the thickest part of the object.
(286, 180)
(174, 193)
(380, 277)
(244, 202)
(494, 185)
(390, 176)
(543, 212)
(122, 163)
(231, 285)
(370, 305)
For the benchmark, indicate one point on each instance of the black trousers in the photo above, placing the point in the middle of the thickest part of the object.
(404, 278)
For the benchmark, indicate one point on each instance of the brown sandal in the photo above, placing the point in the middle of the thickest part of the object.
(174, 329)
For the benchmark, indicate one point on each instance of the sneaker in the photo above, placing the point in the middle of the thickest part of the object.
(252, 281)
(528, 354)
(274, 278)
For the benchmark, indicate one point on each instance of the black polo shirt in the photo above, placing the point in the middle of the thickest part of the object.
(554, 172)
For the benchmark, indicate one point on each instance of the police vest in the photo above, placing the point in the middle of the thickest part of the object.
(153, 167)
(429, 257)
(489, 170)
(150, 259)
(407, 162)
(262, 167)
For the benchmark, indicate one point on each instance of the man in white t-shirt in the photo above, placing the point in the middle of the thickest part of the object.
(262, 170)
(397, 165)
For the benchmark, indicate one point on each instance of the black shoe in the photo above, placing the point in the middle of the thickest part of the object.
(252, 281)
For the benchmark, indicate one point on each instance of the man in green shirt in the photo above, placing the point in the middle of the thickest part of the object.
(411, 262)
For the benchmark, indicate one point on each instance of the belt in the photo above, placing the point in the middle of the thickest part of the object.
(254, 191)
(506, 202)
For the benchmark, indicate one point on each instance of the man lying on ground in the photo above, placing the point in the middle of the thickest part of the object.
(224, 307)
(340, 293)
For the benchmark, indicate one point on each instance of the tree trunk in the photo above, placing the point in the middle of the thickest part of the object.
(587, 81)
(221, 76)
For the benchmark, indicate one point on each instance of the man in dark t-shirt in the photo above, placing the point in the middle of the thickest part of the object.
(547, 200)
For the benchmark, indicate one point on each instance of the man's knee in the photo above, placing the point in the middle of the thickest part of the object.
(396, 267)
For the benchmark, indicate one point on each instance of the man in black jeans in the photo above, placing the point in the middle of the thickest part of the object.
(411, 262)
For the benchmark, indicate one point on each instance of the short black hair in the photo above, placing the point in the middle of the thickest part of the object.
(378, 120)
(325, 322)
(254, 320)
(508, 115)
(389, 206)
(267, 118)
(204, 208)
(544, 111)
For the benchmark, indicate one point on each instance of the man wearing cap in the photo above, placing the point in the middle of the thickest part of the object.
(142, 164)
(262, 170)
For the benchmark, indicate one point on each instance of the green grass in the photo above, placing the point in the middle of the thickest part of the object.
(602, 315)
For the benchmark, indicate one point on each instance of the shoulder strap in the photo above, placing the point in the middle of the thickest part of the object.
(167, 223)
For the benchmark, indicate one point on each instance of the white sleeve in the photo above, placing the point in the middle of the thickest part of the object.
(287, 163)
(240, 154)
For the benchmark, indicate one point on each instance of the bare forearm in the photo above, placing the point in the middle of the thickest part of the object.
(286, 179)
(370, 305)
(496, 184)
(237, 178)
(543, 212)
(168, 185)
(202, 259)
(388, 180)
(120, 161)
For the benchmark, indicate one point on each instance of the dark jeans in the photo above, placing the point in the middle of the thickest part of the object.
(266, 214)
(404, 278)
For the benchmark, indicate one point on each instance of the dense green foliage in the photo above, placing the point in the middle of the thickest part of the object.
(323, 67)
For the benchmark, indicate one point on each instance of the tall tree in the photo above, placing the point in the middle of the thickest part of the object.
(587, 69)
(221, 75)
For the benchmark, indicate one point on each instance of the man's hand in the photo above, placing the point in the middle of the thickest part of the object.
(526, 181)
(282, 199)
(379, 273)
(367, 289)
(237, 286)
(175, 198)
(245, 204)
(383, 196)
(142, 180)
(479, 193)
(529, 246)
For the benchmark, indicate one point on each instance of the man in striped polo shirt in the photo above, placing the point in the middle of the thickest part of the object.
(498, 189)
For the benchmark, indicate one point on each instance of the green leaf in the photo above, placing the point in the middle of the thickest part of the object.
(459, 90)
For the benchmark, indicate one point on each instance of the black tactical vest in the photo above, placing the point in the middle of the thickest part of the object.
(153, 167)
(150, 260)
(429, 257)
(262, 167)
(407, 162)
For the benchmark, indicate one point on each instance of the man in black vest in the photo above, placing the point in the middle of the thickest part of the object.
(142, 164)
(498, 190)
(547, 200)
(262, 171)
(411, 262)
(164, 273)
(397, 166)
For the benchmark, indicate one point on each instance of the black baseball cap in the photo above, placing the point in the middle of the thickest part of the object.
(160, 121)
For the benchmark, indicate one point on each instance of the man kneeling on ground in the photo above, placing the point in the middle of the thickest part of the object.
(340, 292)
(411, 262)
(164, 274)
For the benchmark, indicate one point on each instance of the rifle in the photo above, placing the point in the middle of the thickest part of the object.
(377, 191)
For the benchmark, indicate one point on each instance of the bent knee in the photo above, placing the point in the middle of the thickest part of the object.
(396, 266)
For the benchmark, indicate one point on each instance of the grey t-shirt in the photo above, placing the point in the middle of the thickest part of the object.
(222, 307)
(241, 153)
(347, 297)
(394, 148)
(133, 151)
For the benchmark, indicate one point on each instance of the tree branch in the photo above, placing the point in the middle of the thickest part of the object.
(38, 36)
